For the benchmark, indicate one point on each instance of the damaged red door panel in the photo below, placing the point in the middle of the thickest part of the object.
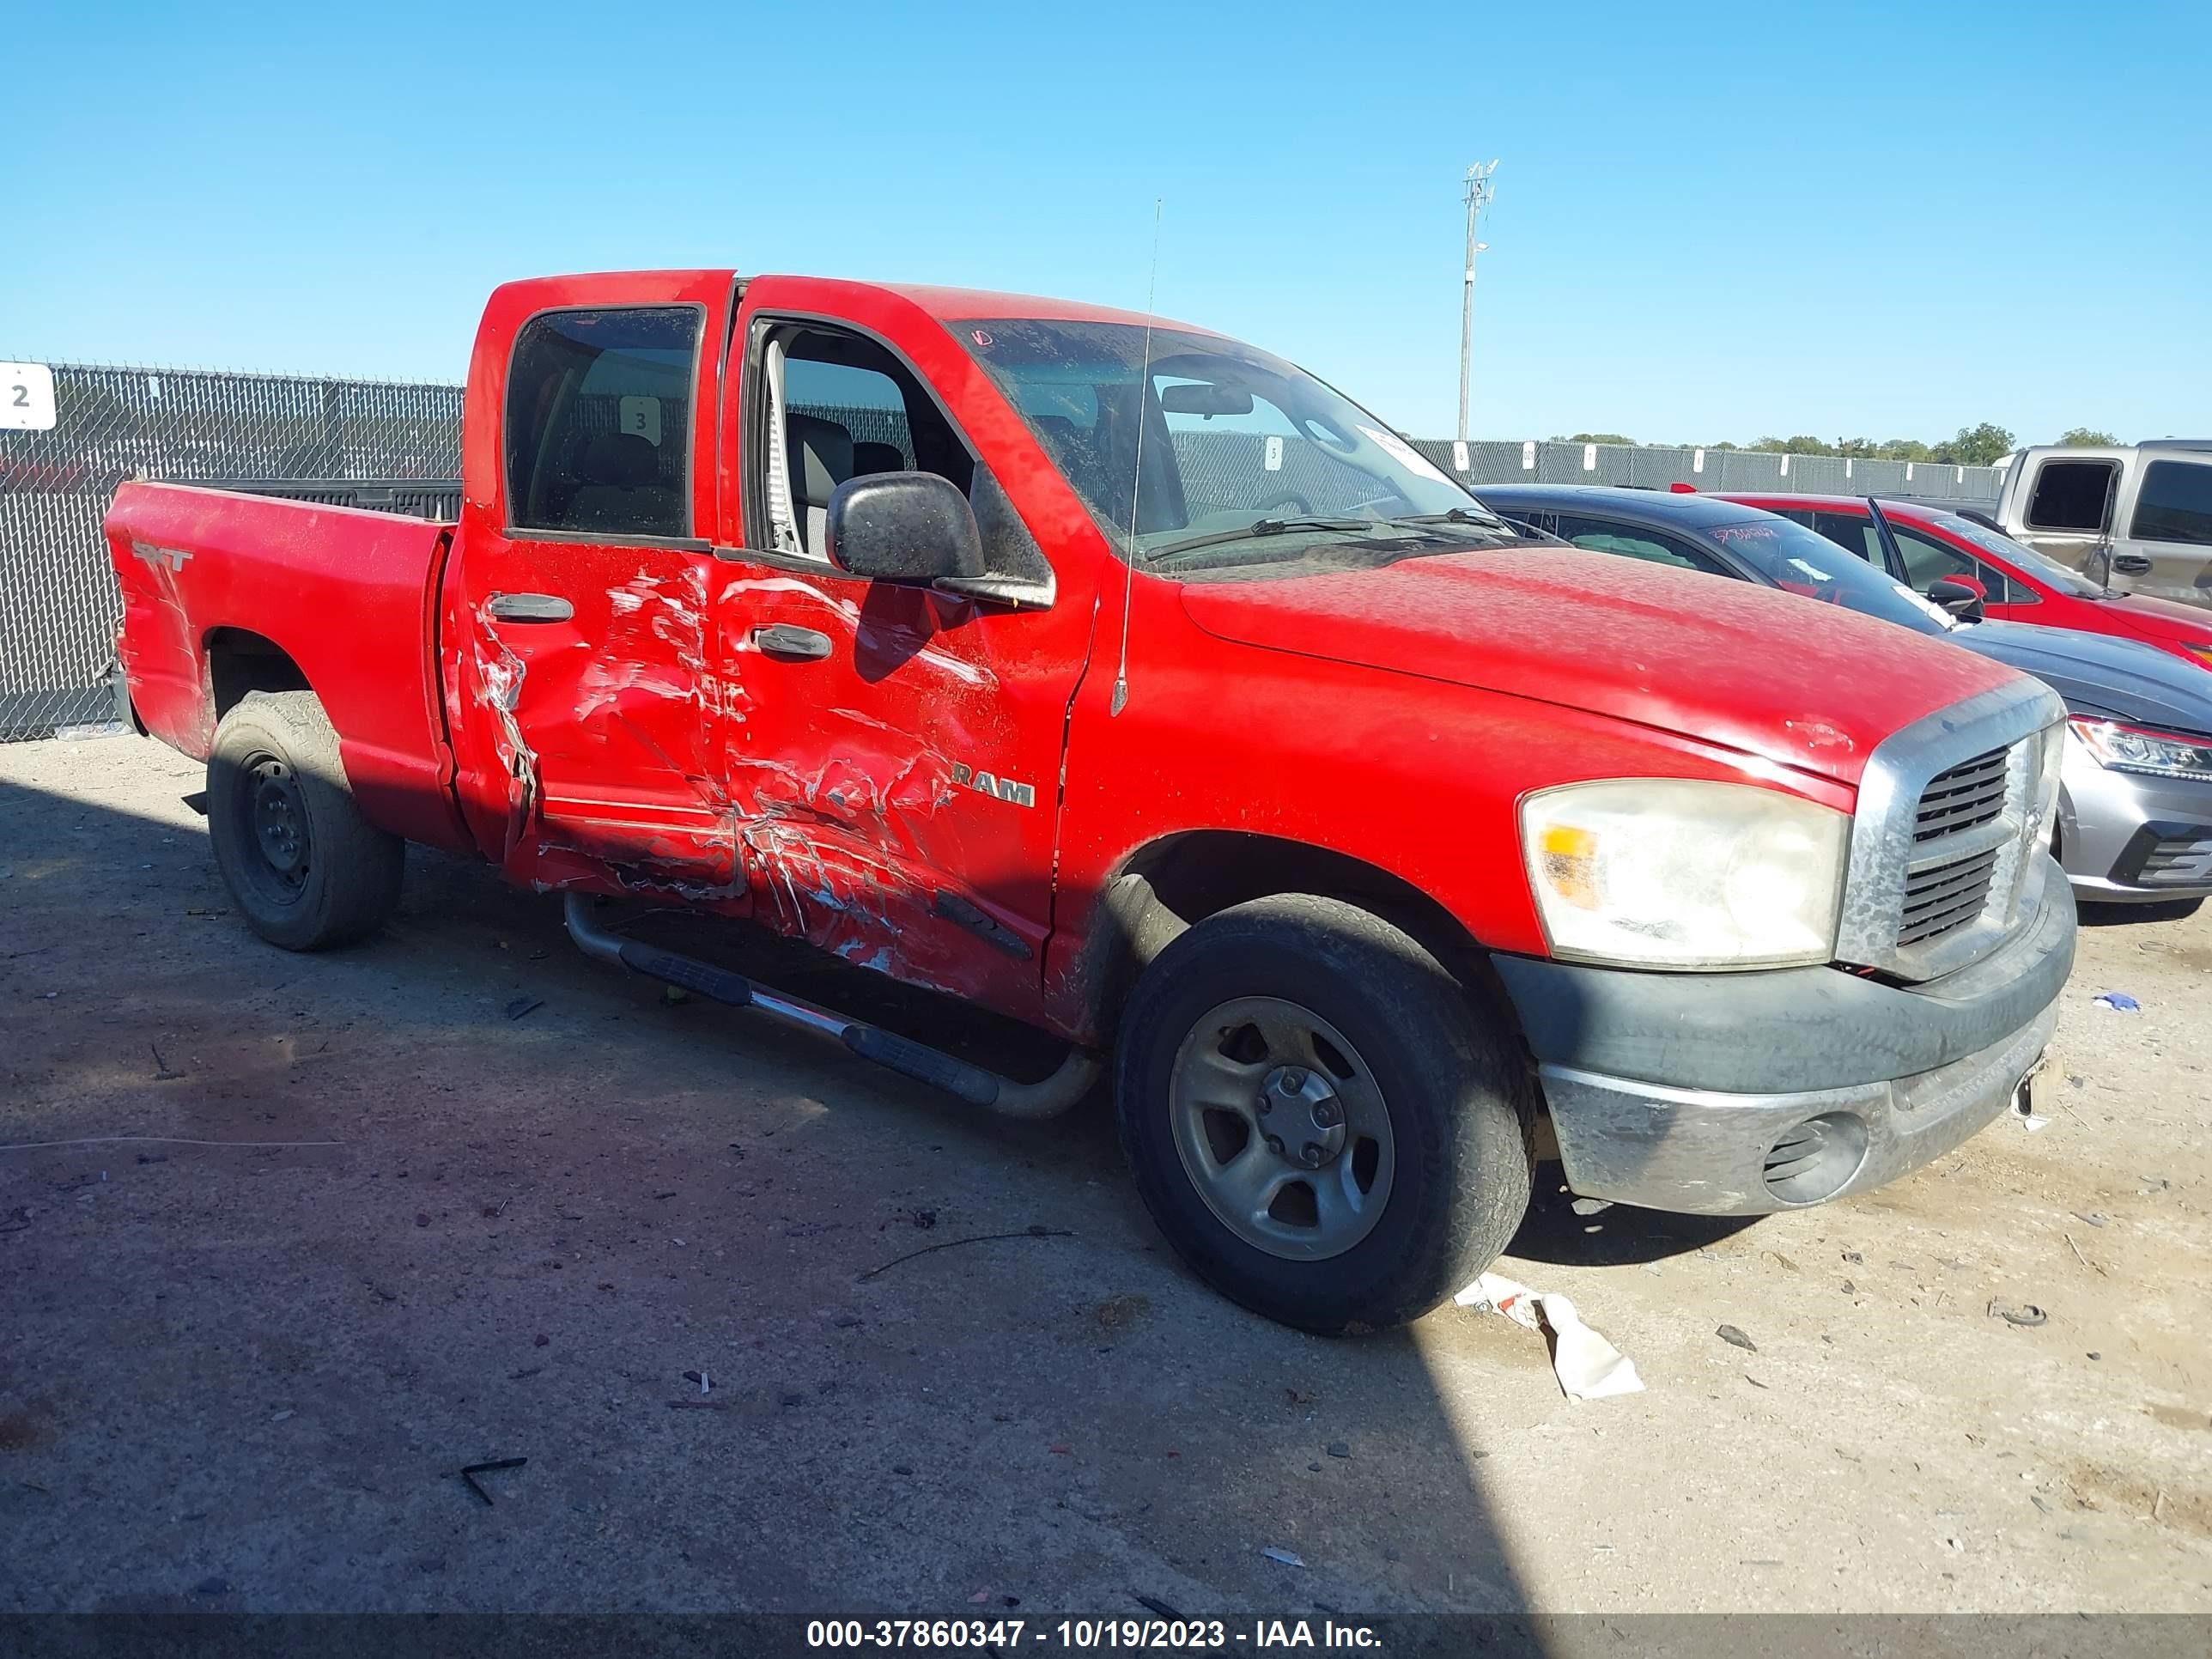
(579, 649)
(893, 753)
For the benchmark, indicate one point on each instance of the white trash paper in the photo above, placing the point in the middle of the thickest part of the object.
(1587, 1366)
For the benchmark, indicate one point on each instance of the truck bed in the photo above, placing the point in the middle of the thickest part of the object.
(436, 499)
(227, 591)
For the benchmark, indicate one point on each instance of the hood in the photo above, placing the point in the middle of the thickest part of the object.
(1808, 685)
(2102, 674)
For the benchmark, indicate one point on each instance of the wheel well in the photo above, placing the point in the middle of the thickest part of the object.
(239, 661)
(1183, 879)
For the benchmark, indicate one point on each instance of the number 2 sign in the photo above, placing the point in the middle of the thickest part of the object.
(27, 397)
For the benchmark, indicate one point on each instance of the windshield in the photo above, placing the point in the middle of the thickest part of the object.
(1792, 557)
(2044, 568)
(1246, 460)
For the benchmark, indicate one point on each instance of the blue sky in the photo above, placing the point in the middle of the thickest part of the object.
(1712, 221)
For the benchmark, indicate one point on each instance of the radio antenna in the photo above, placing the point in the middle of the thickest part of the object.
(1121, 698)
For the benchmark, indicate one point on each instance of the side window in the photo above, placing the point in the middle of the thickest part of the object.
(598, 421)
(2072, 495)
(1928, 560)
(1655, 547)
(1852, 532)
(2175, 504)
(840, 405)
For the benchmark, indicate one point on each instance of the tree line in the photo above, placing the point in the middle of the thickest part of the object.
(1971, 445)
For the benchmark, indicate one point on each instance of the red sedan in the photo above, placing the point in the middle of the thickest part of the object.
(1921, 544)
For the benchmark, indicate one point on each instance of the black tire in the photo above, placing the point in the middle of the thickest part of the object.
(1459, 1104)
(305, 868)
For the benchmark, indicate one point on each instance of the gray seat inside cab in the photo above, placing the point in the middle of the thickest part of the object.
(869, 458)
(821, 459)
(618, 486)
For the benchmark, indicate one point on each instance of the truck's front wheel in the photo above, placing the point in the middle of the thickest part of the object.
(303, 865)
(1317, 1118)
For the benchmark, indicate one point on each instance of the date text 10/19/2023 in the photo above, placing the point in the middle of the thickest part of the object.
(1086, 1635)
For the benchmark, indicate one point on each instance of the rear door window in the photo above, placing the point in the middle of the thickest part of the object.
(2074, 495)
(2175, 503)
(599, 422)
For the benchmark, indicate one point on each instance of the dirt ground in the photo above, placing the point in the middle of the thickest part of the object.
(242, 1375)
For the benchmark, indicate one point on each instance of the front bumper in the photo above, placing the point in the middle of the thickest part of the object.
(2129, 839)
(1741, 1094)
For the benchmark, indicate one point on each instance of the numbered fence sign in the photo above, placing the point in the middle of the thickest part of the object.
(27, 397)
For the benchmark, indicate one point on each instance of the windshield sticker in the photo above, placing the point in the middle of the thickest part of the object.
(1274, 458)
(1404, 453)
(981, 336)
(1811, 570)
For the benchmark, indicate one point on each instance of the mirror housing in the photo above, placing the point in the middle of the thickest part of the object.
(1205, 398)
(1962, 596)
(913, 529)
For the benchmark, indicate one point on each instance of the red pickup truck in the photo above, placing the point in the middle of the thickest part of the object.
(1131, 682)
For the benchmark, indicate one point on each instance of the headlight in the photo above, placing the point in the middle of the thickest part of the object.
(1661, 873)
(2132, 749)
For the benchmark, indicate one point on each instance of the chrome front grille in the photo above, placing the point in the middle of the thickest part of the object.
(1969, 793)
(1947, 857)
(1946, 896)
(1954, 892)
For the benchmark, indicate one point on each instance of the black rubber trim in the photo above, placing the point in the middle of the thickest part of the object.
(688, 972)
(1792, 1029)
(2128, 868)
(971, 1084)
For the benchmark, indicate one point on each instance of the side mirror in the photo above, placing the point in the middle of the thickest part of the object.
(915, 529)
(1962, 596)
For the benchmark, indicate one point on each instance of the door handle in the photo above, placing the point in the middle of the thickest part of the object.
(790, 644)
(529, 608)
(2131, 564)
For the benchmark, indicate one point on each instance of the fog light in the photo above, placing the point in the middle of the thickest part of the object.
(1816, 1159)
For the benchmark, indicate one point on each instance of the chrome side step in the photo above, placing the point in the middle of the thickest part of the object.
(972, 1083)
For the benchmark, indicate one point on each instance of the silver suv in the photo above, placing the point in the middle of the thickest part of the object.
(2137, 517)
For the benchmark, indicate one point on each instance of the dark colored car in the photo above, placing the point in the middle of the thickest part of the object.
(2135, 811)
(1922, 543)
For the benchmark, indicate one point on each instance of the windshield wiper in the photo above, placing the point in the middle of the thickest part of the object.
(1460, 515)
(1257, 527)
(1457, 515)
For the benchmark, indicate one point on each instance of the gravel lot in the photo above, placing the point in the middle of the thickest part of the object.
(238, 1377)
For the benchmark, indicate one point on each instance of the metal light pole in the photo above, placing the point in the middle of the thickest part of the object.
(1479, 194)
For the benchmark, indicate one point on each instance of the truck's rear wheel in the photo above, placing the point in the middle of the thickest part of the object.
(303, 865)
(1318, 1117)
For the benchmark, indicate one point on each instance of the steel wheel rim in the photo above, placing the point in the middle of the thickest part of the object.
(1252, 1051)
(274, 814)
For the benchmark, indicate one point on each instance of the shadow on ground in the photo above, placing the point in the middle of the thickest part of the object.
(948, 1365)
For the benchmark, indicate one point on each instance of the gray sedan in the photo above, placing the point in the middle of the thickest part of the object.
(2134, 812)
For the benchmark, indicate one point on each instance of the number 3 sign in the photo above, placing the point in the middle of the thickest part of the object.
(27, 397)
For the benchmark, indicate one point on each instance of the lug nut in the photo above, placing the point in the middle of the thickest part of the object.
(1309, 1155)
(1276, 1145)
(1327, 1115)
(1266, 1103)
(1293, 1080)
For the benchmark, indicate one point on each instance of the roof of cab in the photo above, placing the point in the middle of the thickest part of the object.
(962, 304)
(944, 304)
(1652, 505)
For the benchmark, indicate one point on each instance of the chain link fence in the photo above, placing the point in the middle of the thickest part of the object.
(58, 604)
(1651, 466)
